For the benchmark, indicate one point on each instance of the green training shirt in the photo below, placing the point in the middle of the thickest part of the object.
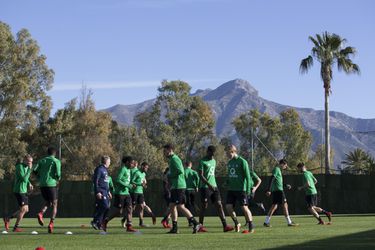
(238, 175)
(208, 167)
(309, 178)
(176, 173)
(277, 184)
(137, 179)
(132, 172)
(21, 180)
(48, 171)
(123, 181)
(191, 178)
(253, 178)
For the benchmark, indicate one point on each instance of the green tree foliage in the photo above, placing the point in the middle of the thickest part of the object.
(358, 162)
(131, 141)
(177, 117)
(24, 81)
(329, 50)
(296, 141)
(315, 163)
(282, 136)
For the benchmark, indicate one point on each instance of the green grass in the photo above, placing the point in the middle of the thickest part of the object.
(347, 232)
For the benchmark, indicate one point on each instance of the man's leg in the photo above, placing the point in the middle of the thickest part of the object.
(189, 216)
(149, 211)
(286, 214)
(269, 215)
(141, 208)
(232, 214)
(23, 210)
(248, 218)
(174, 216)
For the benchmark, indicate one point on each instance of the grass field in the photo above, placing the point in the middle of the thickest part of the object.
(347, 232)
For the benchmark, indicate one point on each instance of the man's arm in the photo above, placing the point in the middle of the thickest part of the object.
(246, 170)
(58, 170)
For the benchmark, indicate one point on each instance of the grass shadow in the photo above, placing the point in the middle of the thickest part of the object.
(362, 240)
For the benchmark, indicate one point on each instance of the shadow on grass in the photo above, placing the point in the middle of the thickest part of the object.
(362, 240)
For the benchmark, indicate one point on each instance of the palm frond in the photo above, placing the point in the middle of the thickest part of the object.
(306, 64)
(348, 51)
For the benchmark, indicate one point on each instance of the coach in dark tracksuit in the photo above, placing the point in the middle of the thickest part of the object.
(102, 193)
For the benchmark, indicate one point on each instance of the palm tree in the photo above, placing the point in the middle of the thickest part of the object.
(358, 161)
(329, 50)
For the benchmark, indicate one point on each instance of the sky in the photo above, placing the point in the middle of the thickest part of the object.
(123, 49)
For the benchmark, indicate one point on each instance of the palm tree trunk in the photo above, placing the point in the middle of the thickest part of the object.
(327, 132)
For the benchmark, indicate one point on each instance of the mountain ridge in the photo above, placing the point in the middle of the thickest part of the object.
(238, 96)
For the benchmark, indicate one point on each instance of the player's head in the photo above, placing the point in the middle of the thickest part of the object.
(144, 166)
(51, 151)
(231, 151)
(127, 160)
(283, 163)
(188, 164)
(301, 166)
(28, 160)
(105, 160)
(211, 151)
(168, 150)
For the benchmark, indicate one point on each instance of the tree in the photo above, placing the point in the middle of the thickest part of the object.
(358, 161)
(296, 141)
(328, 50)
(266, 130)
(24, 81)
(282, 136)
(177, 117)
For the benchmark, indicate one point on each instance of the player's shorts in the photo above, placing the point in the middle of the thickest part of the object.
(137, 199)
(178, 196)
(49, 193)
(213, 195)
(240, 196)
(121, 201)
(311, 200)
(22, 199)
(278, 197)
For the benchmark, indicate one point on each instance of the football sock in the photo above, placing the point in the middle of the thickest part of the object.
(235, 221)
(250, 223)
(268, 219)
(192, 221)
(288, 220)
(224, 222)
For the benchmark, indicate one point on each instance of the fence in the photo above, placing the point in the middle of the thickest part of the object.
(339, 193)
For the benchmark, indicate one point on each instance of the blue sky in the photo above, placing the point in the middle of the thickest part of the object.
(123, 49)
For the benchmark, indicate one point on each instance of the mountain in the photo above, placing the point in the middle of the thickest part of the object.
(237, 96)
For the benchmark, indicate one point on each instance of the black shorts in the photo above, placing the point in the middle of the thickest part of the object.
(178, 196)
(240, 196)
(22, 199)
(121, 201)
(278, 197)
(311, 200)
(213, 195)
(49, 193)
(137, 199)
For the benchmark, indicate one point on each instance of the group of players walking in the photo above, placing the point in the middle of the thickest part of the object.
(180, 185)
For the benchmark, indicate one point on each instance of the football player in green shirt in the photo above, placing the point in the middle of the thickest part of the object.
(209, 190)
(309, 182)
(20, 186)
(192, 181)
(276, 188)
(239, 185)
(139, 182)
(178, 185)
(122, 200)
(48, 171)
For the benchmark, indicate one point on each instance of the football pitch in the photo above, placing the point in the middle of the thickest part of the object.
(346, 232)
